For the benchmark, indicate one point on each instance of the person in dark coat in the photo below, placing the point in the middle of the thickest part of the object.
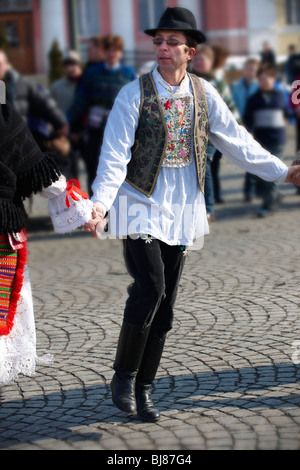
(94, 99)
(28, 99)
(267, 55)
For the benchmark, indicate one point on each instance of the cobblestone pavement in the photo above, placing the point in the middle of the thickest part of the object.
(229, 377)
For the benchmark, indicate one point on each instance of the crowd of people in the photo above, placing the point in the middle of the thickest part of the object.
(259, 100)
(70, 117)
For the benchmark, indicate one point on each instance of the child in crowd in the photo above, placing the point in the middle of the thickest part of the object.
(264, 118)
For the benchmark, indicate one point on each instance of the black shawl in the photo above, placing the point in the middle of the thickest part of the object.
(24, 169)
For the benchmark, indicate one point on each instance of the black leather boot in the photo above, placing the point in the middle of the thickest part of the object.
(129, 354)
(148, 368)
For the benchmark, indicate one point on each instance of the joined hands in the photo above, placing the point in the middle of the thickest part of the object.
(97, 223)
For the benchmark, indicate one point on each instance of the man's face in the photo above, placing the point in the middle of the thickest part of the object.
(113, 56)
(72, 69)
(266, 82)
(4, 66)
(250, 71)
(171, 58)
(202, 64)
(95, 53)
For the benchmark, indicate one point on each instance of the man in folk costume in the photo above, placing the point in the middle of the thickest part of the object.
(152, 163)
(25, 170)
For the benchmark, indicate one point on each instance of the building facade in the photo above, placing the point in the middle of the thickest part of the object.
(31, 26)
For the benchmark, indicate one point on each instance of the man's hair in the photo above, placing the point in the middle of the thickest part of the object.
(97, 41)
(221, 53)
(251, 61)
(113, 41)
(206, 50)
(268, 69)
(190, 43)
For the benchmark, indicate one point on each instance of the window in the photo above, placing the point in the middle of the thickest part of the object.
(15, 5)
(11, 31)
(150, 12)
(87, 17)
(293, 12)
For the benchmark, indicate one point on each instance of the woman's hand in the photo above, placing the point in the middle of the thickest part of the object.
(97, 222)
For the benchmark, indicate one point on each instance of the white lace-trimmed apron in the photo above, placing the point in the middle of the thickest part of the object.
(18, 346)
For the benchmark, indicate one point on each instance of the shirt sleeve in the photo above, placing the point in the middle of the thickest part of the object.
(55, 189)
(235, 142)
(119, 137)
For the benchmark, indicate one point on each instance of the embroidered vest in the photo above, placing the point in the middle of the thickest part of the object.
(151, 139)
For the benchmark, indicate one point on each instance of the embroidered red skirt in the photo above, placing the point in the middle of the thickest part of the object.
(12, 265)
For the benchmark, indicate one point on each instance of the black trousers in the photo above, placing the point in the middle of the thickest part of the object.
(156, 269)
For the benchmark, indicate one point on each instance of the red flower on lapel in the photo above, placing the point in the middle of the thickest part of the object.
(168, 105)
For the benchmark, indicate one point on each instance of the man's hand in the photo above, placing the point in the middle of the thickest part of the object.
(98, 210)
(293, 175)
(97, 222)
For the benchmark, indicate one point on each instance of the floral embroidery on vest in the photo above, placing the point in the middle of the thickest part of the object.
(178, 116)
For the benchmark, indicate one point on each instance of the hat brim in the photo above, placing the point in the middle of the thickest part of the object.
(194, 33)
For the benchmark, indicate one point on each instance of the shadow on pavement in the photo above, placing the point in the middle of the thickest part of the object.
(65, 415)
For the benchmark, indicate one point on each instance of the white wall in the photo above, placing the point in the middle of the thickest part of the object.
(122, 21)
(52, 27)
(261, 24)
(196, 7)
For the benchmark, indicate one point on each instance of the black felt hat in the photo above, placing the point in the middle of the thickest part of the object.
(178, 19)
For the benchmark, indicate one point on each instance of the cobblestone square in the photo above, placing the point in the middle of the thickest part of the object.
(230, 373)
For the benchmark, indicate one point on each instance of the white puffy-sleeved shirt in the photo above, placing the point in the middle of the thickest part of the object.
(175, 212)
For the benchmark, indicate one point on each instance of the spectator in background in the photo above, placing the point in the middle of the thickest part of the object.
(241, 90)
(63, 90)
(48, 139)
(245, 86)
(292, 66)
(206, 58)
(95, 50)
(202, 67)
(264, 118)
(29, 100)
(267, 55)
(95, 97)
(218, 80)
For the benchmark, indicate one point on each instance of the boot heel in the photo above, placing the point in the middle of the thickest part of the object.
(145, 407)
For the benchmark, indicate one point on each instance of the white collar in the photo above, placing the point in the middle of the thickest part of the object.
(113, 67)
(170, 88)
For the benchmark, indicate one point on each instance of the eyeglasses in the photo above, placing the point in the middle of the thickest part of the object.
(170, 42)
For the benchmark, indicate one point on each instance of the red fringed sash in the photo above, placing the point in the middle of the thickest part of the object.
(12, 265)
